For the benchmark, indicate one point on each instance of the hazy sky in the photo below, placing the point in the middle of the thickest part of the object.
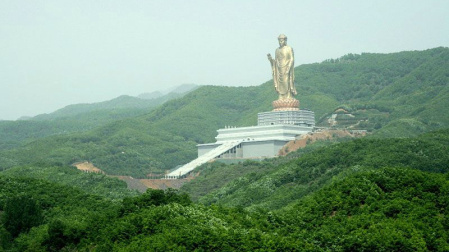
(55, 52)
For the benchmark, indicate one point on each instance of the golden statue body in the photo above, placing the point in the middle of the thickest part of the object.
(283, 69)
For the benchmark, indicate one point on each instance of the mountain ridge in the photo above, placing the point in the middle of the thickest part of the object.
(166, 136)
(81, 117)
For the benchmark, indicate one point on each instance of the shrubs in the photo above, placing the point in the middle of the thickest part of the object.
(154, 198)
(363, 199)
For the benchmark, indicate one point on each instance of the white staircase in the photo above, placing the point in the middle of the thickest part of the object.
(183, 170)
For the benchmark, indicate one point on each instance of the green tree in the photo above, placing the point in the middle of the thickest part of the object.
(21, 213)
(56, 236)
(154, 198)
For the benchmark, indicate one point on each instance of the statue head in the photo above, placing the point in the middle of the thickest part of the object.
(282, 40)
(282, 36)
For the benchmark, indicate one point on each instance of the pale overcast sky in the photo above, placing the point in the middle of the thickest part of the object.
(59, 52)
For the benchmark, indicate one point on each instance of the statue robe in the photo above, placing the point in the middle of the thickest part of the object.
(283, 72)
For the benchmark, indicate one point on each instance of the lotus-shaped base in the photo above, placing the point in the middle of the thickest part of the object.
(285, 104)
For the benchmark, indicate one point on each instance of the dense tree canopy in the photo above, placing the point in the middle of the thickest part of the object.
(362, 195)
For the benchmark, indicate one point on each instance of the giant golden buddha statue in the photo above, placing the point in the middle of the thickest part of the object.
(283, 76)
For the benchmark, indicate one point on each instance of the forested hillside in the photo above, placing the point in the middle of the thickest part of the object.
(81, 117)
(362, 195)
(392, 95)
(370, 194)
(91, 183)
(276, 183)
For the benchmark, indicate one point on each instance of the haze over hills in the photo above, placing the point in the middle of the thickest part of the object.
(388, 191)
(387, 94)
(82, 117)
(373, 175)
(152, 95)
(142, 101)
(184, 88)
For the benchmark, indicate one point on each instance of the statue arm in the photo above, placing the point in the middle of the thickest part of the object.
(270, 59)
(273, 66)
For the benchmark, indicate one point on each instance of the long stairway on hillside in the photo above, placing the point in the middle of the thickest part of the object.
(185, 169)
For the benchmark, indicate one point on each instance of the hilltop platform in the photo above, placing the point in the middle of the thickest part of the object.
(303, 117)
(255, 141)
(275, 129)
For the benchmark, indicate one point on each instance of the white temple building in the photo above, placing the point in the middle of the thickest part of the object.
(274, 130)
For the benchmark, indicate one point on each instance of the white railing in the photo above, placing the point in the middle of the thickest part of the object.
(185, 169)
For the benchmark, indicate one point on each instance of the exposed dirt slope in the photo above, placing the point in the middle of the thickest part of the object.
(87, 167)
(314, 136)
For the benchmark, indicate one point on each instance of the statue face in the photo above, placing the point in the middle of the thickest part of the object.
(282, 42)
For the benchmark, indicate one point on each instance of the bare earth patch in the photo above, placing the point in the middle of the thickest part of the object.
(314, 136)
(87, 167)
(140, 185)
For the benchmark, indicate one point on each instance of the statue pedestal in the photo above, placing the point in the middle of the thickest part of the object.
(303, 117)
(289, 104)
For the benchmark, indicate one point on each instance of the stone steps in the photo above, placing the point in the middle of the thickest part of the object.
(185, 169)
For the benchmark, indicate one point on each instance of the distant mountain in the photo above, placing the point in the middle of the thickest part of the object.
(149, 96)
(81, 117)
(385, 192)
(119, 103)
(23, 118)
(399, 94)
(181, 89)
